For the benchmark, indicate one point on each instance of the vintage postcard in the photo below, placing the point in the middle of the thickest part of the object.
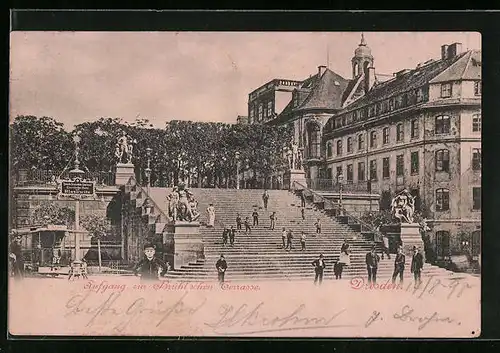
(245, 184)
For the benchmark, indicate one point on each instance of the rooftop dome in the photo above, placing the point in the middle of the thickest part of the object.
(363, 49)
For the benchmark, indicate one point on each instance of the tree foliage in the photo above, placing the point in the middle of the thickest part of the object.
(48, 212)
(96, 224)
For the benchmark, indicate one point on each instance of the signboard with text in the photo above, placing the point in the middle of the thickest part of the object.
(77, 188)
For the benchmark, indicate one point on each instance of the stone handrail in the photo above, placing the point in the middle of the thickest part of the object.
(377, 234)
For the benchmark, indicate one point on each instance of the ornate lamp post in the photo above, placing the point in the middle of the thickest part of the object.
(76, 172)
(148, 169)
(237, 156)
(341, 182)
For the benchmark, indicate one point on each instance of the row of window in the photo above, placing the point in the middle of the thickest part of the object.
(263, 110)
(447, 89)
(397, 102)
(442, 126)
(443, 199)
(442, 164)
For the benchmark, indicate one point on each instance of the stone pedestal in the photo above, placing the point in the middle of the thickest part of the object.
(410, 236)
(123, 173)
(183, 243)
(297, 175)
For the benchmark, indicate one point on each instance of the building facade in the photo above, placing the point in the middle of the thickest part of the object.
(419, 130)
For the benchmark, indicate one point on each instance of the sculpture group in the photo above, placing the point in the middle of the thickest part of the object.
(182, 206)
(295, 157)
(403, 206)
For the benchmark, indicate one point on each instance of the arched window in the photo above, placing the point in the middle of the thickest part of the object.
(373, 139)
(314, 141)
(442, 199)
(339, 147)
(361, 142)
(356, 69)
(329, 149)
(442, 161)
(349, 144)
(442, 244)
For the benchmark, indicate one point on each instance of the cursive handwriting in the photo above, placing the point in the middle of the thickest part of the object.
(407, 315)
(127, 313)
(250, 320)
(452, 288)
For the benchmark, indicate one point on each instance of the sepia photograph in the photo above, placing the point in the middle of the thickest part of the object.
(245, 184)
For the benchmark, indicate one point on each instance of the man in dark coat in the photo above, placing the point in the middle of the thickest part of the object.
(372, 260)
(221, 267)
(232, 233)
(255, 216)
(289, 237)
(265, 198)
(150, 268)
(417, 263)
(319, 266)
(16, 258)
(225, 235)
(399, 266)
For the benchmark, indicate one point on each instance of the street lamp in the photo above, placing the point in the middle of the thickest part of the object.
(76, 172)
(148, 169)
(237, 156)
(341, 181)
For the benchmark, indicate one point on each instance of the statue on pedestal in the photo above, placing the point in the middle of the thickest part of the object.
(403, 206)
(124, 149)
(295, 155)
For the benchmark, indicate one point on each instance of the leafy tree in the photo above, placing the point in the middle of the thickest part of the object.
(97, 225)
(49, 212)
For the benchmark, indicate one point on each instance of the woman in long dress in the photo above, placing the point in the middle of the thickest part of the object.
(211, 215)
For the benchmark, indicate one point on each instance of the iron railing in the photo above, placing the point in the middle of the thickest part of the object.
(30, 177)
(347, 186)
(340, 210)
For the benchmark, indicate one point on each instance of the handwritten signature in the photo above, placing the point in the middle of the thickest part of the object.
(408, 314)
(157, 312)
(250, 320)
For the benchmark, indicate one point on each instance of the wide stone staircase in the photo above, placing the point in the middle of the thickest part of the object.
(259, 255)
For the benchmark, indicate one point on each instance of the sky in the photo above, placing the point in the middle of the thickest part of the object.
(76, 77)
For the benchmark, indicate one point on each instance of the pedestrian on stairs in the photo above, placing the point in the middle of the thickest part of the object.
(273, 220)
(265, 198)
(225, 235)
(318, 226)
(283, 236)
(302, 199)
(255, 216)
(303, 241)
(238, 221)
(221, 267)
(319, 266)
(211, 215)
(372, 260)
(385, 251)
(247, 225)
(303, 213)
(232, 233)
(289, 237)
(344, 260)
(399, 266)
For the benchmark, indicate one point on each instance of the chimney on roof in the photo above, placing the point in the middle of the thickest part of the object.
(321, 70)
(369, 78)
(444, 52)
(454, 50)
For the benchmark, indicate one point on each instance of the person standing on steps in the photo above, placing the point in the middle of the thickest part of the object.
(399, 266)
(289, 237)
(319, 267)
(385, 251)
(255, 216)
(318, 226)
(247, 225)
(302, 199)
(303, 241)
(283, 237)
(372, 260)
(150, 268)
(344, 259)
(211, 215)
(303, 213)
(265, 198)
(221, 267)
(238, 222)
(232, 233)
(417, 263)
(273, 220)
(225, 235)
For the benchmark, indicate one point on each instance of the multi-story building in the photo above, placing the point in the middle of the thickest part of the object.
(419, 130)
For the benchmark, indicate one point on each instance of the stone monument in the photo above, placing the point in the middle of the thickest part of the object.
(403, 208)
(182, 235)
(124, 153)
(296, 171)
